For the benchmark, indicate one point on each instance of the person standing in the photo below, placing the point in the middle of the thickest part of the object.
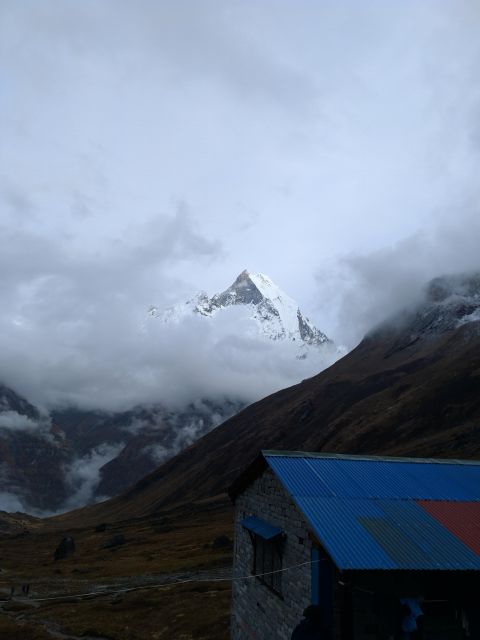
(411, 612)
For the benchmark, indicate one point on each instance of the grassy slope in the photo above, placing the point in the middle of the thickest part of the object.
(173, 542)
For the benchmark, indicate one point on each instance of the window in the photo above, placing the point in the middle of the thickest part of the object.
(267, 543)
(267, 559)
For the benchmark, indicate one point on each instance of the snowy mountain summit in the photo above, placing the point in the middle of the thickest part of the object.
(275, 315)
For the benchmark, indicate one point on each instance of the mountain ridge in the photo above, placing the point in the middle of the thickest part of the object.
(275, 315)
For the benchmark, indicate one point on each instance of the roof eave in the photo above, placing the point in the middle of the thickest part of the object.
(351, 456)
(248, 475)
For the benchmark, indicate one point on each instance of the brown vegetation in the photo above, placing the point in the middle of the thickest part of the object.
(173, 545)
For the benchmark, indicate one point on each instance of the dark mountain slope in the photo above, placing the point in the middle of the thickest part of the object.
(411, 388)
(32, 455)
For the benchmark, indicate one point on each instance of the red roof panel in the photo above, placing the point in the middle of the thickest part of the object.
(460, 518)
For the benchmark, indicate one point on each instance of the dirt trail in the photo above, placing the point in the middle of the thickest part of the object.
(64, 589)
(54, 630)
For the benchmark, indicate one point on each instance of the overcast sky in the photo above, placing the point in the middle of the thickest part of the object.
(149, 149)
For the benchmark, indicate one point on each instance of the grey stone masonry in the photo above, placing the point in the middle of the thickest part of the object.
(258, 613)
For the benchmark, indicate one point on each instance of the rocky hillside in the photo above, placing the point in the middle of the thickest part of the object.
(62, 460)
(32, 455)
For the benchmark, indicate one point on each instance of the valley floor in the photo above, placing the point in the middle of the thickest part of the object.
(133, 597)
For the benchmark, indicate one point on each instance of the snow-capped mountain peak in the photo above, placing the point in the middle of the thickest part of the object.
(275, 314)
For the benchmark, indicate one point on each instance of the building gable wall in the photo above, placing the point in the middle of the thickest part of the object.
(257, 612)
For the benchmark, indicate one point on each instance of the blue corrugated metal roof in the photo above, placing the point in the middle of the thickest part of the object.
(365, 514)
(260, 527)
(364, 478)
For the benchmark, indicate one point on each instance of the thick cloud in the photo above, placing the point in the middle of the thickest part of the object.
(367, 289)
(16, 422)
(296, 132)
(71, 327)
(97, 348)
(75, 329)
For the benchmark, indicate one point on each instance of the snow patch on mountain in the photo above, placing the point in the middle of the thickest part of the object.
(273, 314)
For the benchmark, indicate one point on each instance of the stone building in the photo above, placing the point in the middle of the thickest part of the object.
(362, 537)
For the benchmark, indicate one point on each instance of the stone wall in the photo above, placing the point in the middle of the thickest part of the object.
(257, 612)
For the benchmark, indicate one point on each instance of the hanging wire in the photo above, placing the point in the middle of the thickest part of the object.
(166, 585)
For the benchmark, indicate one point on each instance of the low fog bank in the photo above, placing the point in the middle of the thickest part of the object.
(152, 362)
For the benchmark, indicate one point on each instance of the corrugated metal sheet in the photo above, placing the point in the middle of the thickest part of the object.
(363, 478)
(260, 527)
(374, 514)
(338, 528)
(460, 518)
